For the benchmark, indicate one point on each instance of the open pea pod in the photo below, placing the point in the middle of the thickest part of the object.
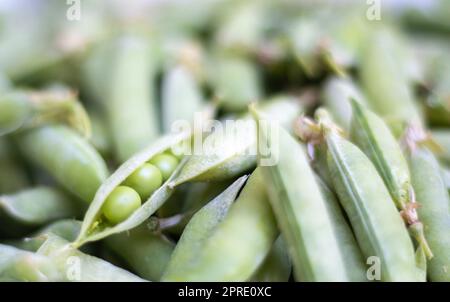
(198, 230)
(145, 252)
(372, 135)
(31, 208)
(233, 151)
(301, 209)
(94, 227)
(20, 265)
(27, 109)
(73, 265)
(277, 265)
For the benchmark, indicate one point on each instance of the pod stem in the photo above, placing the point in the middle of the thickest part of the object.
(416, 231)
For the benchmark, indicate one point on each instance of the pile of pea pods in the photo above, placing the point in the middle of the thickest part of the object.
(99, 183)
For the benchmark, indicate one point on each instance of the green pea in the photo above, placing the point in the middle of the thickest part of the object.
(166, 164)
(145, 180)
(120, 204)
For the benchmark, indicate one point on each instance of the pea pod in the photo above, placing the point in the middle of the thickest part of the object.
(383, 79)
(336, 97)
(277, 265)
(28, 209)
(198, 231)
(146, 253)
(434, 210)
(301, 210)
(19, 265)
(73, 265)
(378, 228)
(95, 227)
(23, 110)
(66, 156)
(181, 97)
(374, 138)
(235, 81)
(13, 176)
(129, 95)
(442, 137)
(233, 151)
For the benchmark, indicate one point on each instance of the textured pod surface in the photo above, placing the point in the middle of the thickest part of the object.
(301, 211)
(74, 265)
(67, 157)
(434, 211)
(146, 253)
(34, 207)
(378, 228)
(199, 229)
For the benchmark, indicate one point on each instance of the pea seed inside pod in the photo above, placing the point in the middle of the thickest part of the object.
(120, 204)
(166, 163)
(145, 180)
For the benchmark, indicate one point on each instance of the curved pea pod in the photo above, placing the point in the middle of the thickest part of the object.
(21, 110)
(385, 84)
(434, 212)
(129, 98)
(378, 228)
(145, 252)
(240, 243)
(442, 137)
(31, 208)
(231, 151)
(181, 96)
(94, 228)
(74, 265)
(336, 98)
(300, 208)
(19, 265)
(13, 175)
(66, 156)
(199, 229)
(373, 137)
(235, 81)
(277, 265)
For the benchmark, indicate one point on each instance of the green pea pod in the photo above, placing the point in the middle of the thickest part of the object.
(145, 252)
(379, 230)
(101, 136)
(336, 96)
(232, 151)
(434, 210)
(241, 29)
(199, 229)
(181, 97)
(235, 81)
(19, 265)
(94, 228)
(249, 230)
(300, 209)
(373, 137)
(13, 176)
(74, 265)
(23, 110)
(129, 96)
(277, 265)
(66, 156)
(383, 79)
(30, 208)
(442, 137)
